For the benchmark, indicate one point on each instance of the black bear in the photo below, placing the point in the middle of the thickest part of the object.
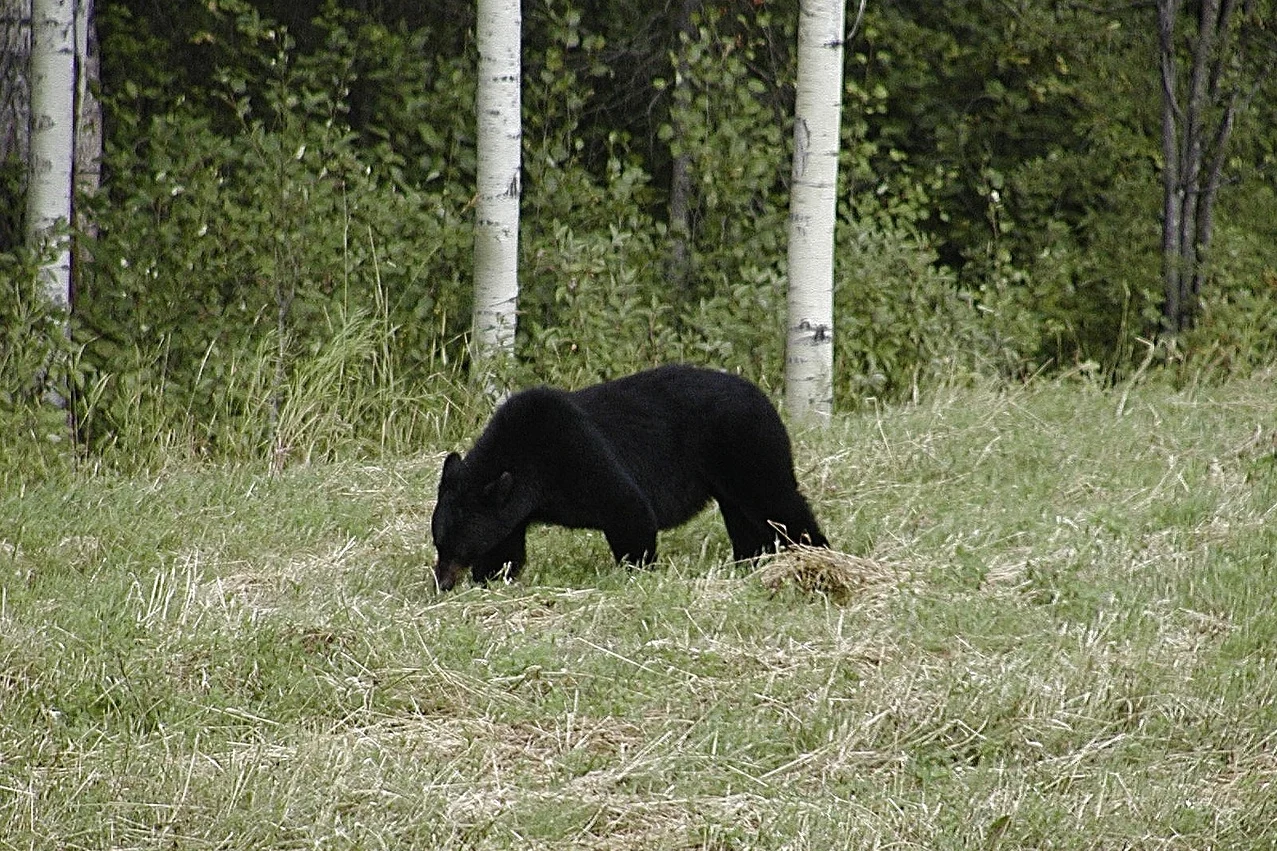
(629, 457)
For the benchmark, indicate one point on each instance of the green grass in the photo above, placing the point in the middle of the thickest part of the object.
(1078, 652)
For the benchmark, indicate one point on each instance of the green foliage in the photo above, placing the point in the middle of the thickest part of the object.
(1236, 332)
(606, 320)
(1043, 125)
(899, 323)
(594, 301)
(38, 366)
(900, 320)
(281, 265)
(735, 135)
(600, 321)
(227, 254)
(12, 203)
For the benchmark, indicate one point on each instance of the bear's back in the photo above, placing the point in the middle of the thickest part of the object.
(674, 427)
(674, 391)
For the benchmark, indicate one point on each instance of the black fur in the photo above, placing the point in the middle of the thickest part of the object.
(629, 457)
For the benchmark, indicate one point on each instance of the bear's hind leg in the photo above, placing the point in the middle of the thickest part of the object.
(793, 514)
(760, 513)
(749, 469)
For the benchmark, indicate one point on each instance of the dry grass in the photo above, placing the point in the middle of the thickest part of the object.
(1049, 626)
(824, 571)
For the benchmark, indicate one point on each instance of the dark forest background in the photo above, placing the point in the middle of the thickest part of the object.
(280, 254)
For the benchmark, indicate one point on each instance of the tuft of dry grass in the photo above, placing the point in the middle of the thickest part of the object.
(840, 576)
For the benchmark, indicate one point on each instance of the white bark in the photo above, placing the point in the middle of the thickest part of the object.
(52, 136)
(809, 352)
(496, 234)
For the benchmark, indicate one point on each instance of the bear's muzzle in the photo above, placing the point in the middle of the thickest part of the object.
(447, 573)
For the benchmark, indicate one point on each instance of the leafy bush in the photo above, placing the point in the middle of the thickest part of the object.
(1236, 332)
(726, 118)
(227, 256)
(899, 320)
(596, 301)
(37, 370)
(607, 317)
(601, 319)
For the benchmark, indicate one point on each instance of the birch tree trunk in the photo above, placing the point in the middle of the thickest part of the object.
(52, 139)
(809, 351)
(496, 233)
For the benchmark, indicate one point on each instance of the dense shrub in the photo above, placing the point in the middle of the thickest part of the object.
(37, 369)
(282, 264)
(235, 250)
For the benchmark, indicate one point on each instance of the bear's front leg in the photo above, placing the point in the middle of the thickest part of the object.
(633, 543)
(506, 558)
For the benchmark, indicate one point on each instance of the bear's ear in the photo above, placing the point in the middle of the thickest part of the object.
(499, 490)
(451, 467)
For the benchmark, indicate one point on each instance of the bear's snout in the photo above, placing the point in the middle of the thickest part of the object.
(447, 572)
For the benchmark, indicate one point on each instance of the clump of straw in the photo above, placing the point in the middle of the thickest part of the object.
(819, 570)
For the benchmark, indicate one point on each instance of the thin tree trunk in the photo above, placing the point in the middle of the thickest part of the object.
(1215, 154)
(681, 169)
(809, 355)
(52, 139)
(1191, 163)
(1172, 199)
(1205, 220)
(496, 236)
(15, 87)
(1197, 127)
(88, 112)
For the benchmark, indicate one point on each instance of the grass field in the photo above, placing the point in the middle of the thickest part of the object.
(1065, 638)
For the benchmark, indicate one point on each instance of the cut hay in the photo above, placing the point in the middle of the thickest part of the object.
(818, 570)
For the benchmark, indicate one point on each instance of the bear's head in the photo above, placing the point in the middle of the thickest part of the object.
(474, 514)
